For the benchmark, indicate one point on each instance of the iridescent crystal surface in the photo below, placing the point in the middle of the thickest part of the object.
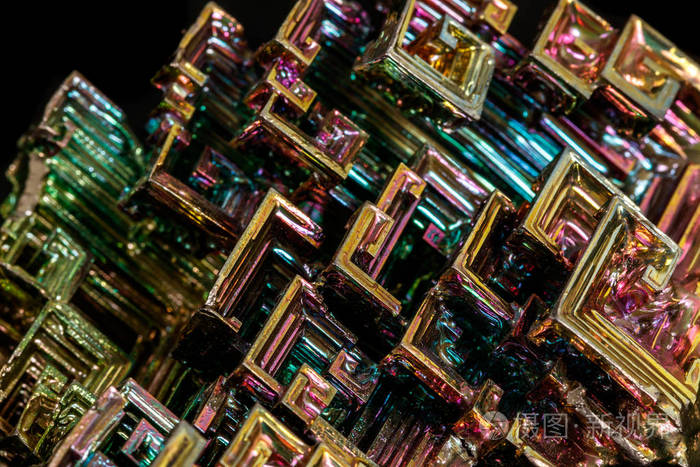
(389, 235)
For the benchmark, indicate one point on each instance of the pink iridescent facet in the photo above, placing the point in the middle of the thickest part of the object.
(580, 42)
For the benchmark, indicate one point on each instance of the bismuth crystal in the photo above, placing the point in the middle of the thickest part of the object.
(390, 235)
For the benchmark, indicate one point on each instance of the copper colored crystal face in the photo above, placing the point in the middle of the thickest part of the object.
(620, 306)
(639, 67)
(445, 62)
(681, 220)
(564, 213)
(498, 14)
(575, 44)
(391, 235)
(456, 54)
(263, 438)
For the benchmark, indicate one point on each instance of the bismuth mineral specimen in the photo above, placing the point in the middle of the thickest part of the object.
(391, 235)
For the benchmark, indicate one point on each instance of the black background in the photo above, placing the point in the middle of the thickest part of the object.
(119, 46)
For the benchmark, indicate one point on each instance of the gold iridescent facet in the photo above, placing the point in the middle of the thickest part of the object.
(390, 235)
